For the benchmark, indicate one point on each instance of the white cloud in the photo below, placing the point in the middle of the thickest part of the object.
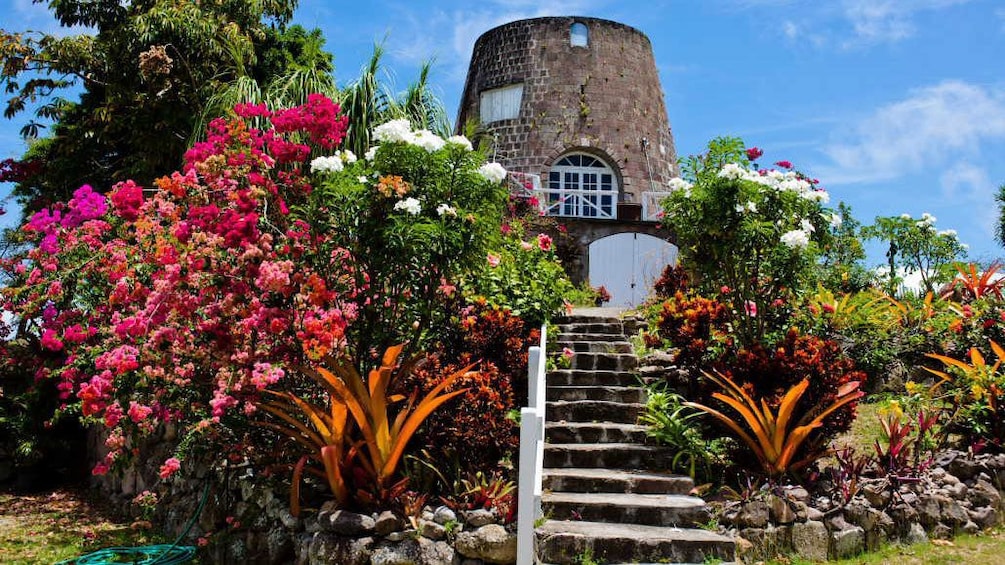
(790, 29)
(969, 185)
(932, 124)
(465, 25)
(879, 21)
(846, 23)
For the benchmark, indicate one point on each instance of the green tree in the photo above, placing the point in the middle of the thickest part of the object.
(841, 263)
(915, 246)
(1000, 228)
(146, 71)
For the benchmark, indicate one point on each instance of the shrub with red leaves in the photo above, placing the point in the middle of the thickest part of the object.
(673, 279)
(693, 325)
(770, 373)
(476, 431)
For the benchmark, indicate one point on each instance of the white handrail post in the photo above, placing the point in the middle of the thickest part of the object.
(531, 453)
(526, 510)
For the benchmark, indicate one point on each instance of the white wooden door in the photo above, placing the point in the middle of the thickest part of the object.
(628, 264)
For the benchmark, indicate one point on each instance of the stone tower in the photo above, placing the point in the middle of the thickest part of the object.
(578, 102)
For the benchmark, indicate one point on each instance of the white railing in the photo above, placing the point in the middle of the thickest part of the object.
(578, 203)
(652, 205)
(531, 453)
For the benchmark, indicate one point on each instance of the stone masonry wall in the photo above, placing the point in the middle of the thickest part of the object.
(601, 99)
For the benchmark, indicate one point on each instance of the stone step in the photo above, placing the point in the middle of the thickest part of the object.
(607, 456)
(621, 508)
(592, 411)
(625, 394)
(582, 319)
(589, 432)
(562, 542)
(616, 481)
(579, 337)
(591, 327)
(617, 345)
(579, 377)
(605, 361)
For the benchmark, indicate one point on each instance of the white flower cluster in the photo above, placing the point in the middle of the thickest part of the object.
(948, 233)
(836, 221)
(492, 172)
(776, 180)
(400, 131)
(678, 183)
(333, 163)
(460, 140)
(748, 207)
(446, 210)
(427, 140)
(330, 164)
(394, 131)
(927, 221)
(796, 239)
(410, 205)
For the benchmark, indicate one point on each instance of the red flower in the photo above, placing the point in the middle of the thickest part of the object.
(754, 153)
(544, 242)
(784, 164)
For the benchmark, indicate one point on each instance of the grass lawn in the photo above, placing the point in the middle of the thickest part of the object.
(53, 526)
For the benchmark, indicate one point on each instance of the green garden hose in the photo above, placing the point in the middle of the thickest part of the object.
(162, 554)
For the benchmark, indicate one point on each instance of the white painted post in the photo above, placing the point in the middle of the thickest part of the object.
(526, 511)
(531, 454)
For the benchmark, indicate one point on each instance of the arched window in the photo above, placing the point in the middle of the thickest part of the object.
(579, 35)
(582, 186)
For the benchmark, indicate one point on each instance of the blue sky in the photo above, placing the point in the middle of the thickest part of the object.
(895, 105)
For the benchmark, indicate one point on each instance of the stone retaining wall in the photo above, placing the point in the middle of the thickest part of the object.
(959, 494)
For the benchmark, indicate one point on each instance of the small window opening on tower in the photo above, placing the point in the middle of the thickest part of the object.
(501, 103)
(579, 35)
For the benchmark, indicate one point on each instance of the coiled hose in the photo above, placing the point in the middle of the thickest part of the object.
(162, 554)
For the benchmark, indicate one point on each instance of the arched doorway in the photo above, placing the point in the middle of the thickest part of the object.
(581, 186)
(627, 265)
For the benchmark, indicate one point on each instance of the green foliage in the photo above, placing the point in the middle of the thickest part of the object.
(748, 235)
(524, 276)
(975, 392)
(409, 263)
(1000, 226)
(368, 103)
(841, 262)
(673, 424)
(147, 70)
(914, 246)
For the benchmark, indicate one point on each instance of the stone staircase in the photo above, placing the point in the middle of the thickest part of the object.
(606, 493)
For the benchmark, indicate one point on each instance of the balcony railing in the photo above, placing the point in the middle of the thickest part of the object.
(652, 208)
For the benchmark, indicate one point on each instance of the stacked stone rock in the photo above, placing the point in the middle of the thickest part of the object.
(437, 537)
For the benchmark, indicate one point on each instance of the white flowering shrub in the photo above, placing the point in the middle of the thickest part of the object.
(417, 212)
(747, 235)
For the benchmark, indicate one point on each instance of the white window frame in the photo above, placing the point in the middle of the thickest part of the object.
(577, 188)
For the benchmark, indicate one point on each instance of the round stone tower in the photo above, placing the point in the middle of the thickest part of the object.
(578, 102)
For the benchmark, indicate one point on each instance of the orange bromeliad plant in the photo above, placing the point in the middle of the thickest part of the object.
(373, 438)
(775, 438)
(975, 285)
